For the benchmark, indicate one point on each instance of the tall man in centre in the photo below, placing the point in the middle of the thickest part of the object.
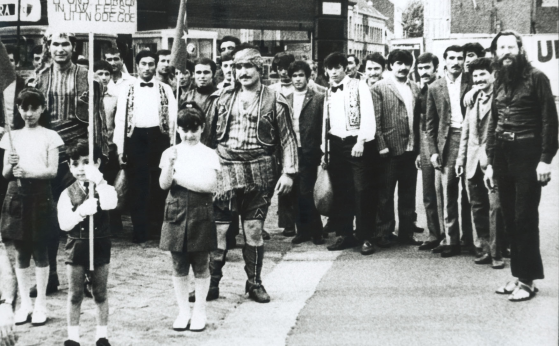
(251, 123)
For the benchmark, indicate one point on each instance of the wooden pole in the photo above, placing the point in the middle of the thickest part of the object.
(91, 138)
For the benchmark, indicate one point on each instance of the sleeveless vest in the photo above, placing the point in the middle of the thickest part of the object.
(163, 111)
(100, 219)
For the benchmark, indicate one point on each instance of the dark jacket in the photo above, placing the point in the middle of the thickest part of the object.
(100, 219)
(310, 126)
(392, 117)
(439, 113)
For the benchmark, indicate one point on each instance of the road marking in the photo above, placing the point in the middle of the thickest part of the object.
(290, 284)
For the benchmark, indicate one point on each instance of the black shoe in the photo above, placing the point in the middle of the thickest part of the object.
(102, 342)
(484, 259)
(451, 251)
(257, 293)
(367, 248)
(288, 232)
(408, 241)
(383, 243)
(429, 245)
(71, 343)
(505, 252)
(417, 229)
(318, 240)
(265, 235)
(342, 243)
(213, 294)
(439, 249)
(300, 238)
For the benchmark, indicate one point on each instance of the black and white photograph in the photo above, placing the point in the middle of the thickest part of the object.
(279, 172)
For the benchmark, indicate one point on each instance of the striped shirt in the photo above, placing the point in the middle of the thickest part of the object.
(242, 129)
(61, 97)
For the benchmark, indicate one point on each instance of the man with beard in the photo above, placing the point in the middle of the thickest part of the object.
(397, 118)
(472, 162)
(120, 79)
(427, 65)
(522, 141)
(163, 70)
(374, 67)
(150, 110)
(204, 70)
(285, 85)
(444, 117)
(252, 123)
(227, 68)
(352, 69)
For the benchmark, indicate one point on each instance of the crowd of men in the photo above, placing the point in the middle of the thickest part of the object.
(487, 124)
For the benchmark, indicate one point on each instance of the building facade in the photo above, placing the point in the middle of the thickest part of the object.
(367, 29)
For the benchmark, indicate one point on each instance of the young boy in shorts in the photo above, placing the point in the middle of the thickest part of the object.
(74, 206)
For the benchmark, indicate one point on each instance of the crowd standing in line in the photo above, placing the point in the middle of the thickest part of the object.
(488, 124)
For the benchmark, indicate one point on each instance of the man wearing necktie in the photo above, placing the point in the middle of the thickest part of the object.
(472, 161)
(150, 110)
(349, 112)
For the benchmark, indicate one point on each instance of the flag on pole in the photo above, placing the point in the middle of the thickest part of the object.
(178, 51)
(7, 72)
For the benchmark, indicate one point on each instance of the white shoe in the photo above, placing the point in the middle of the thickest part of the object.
(198, 321)
(22, 316)
(39, 317)
(181, 323)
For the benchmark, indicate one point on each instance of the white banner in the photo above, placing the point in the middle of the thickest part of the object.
(97, 16)
(30, 10)
(542, 51)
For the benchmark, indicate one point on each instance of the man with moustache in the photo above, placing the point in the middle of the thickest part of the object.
(472, 161)
(281, 63)
(444, 117)
(120, 79)
(426, 66)
(252, 123)
(163, 70)
(308, 109)
(374, 67)
(397, 118)
(352, 150)
(353, 67)
(204, 70)
(150, 110)
(521, 143)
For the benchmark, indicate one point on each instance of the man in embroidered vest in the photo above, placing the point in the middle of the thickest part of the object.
(351, 132)
(251, 123)
(66, 89)
(150, 110)
(204, 71)
(472, 161)
(395, 100)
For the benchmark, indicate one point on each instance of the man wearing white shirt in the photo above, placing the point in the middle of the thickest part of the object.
(395, 99)
(120, 79)
(350, 128)
(444, 117)
(150, 110)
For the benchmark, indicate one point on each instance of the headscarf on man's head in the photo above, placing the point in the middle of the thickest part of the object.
(250, 55)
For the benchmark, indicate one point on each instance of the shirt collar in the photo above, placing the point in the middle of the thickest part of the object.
(457, 81)
(407, 82)
(344, 81)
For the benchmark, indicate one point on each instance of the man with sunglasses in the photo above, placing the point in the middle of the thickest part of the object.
(252, 123)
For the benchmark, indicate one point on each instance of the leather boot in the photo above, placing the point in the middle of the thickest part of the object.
(217, 261)
(254, 258)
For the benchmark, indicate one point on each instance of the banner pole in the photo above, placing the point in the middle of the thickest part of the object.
(91, 133)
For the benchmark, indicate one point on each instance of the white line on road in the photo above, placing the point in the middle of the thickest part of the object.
(290, 284)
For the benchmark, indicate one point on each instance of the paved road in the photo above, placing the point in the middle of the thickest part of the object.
(398, 296)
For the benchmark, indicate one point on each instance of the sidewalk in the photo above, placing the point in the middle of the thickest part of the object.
(141, 296)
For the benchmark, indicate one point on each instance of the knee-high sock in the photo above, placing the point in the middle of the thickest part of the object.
(254, 258)
(217, 261)
(42, 275)
(181, 284)
(23, 281)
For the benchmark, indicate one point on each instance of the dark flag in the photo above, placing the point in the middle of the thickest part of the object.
(178, 51)
(7, 72)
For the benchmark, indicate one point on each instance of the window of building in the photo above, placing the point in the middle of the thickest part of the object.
(550, 3)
